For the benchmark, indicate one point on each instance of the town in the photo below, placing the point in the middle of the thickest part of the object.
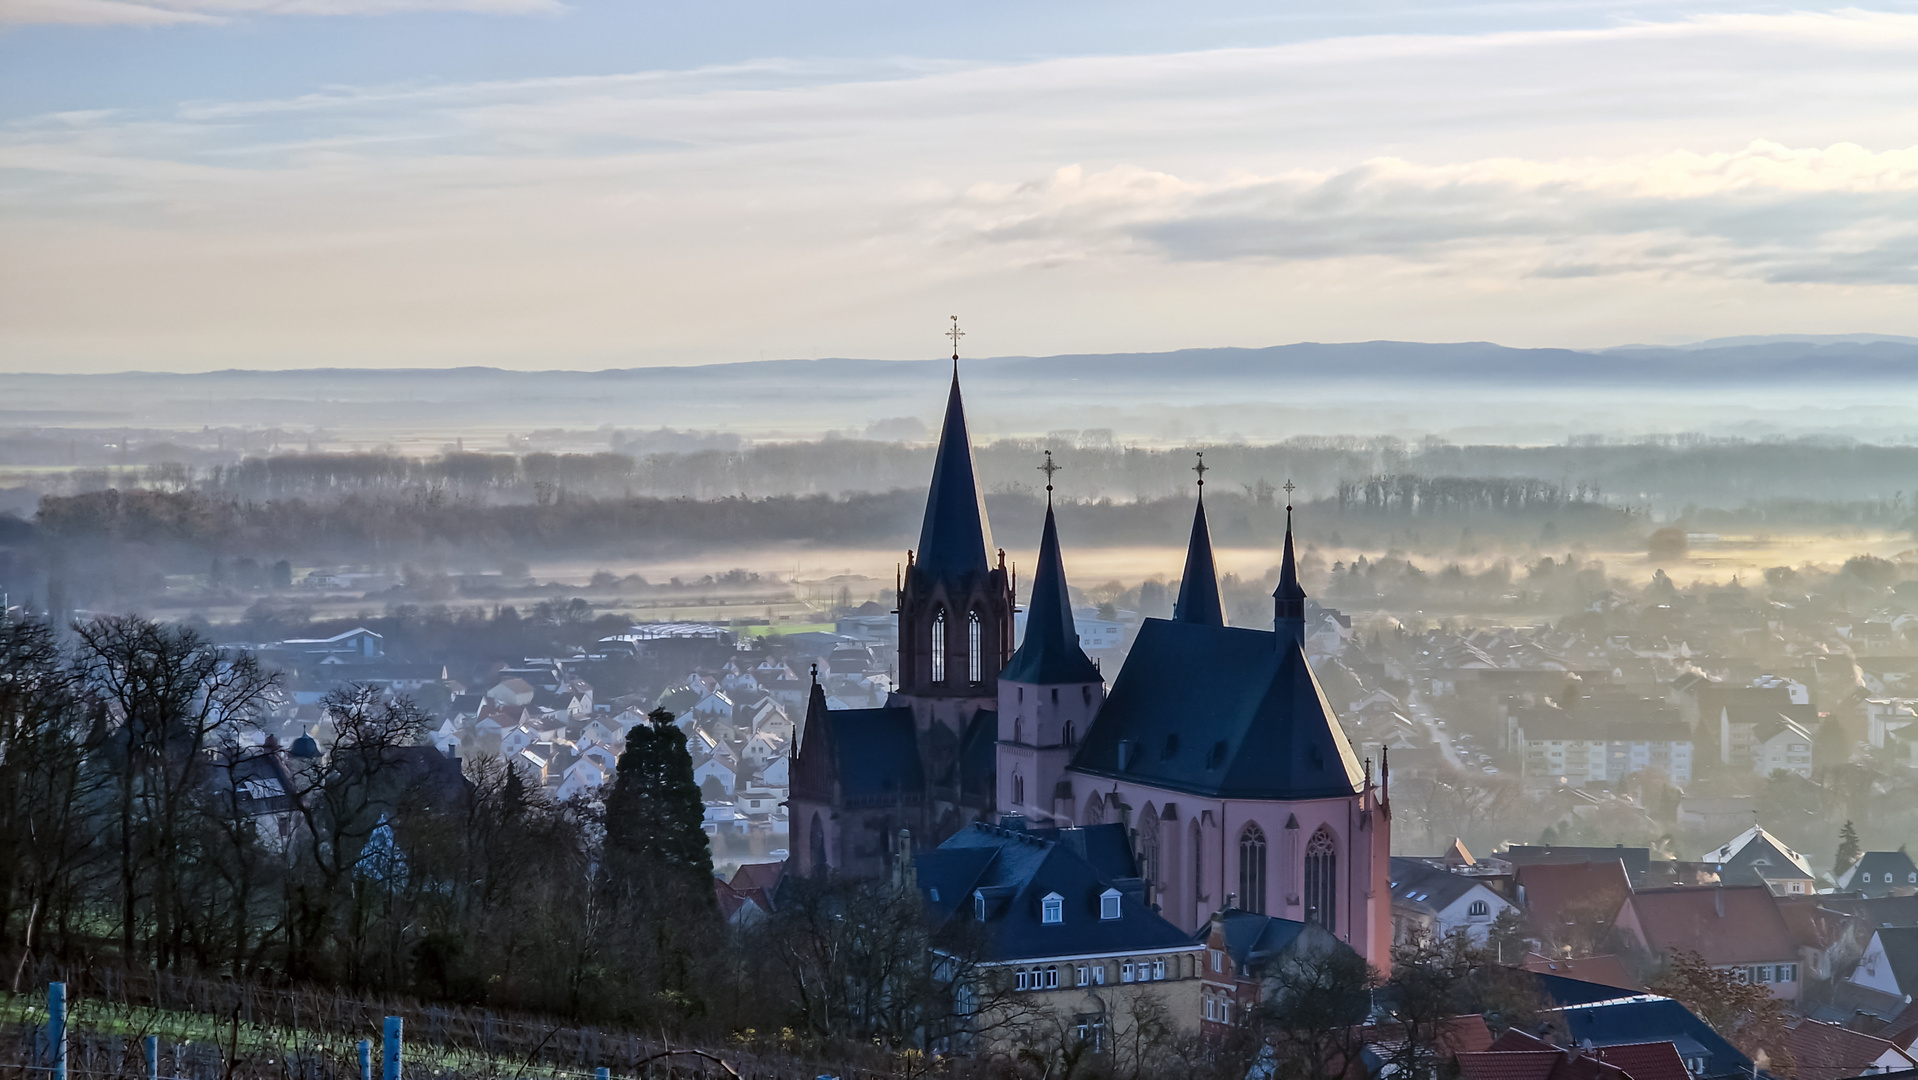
(1662, 835)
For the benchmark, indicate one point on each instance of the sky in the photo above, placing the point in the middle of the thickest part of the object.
(205, 184)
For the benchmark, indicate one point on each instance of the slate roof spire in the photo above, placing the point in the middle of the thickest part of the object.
(1288, 600)
(954, 536)
(1050, 653)
(1199, 600)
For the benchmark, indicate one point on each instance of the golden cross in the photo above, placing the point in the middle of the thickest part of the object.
(1200, 468)
(955, 334)
(1049, 468)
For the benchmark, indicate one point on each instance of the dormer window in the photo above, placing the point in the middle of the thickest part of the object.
(1109, 904)
(1053, 908)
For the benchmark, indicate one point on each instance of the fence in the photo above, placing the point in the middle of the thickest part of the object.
(120, 1025)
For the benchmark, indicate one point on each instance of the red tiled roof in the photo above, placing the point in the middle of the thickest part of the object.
(758, 876)
(1556, 892)
(1723, 924)
(1509, 1065)
(1830, 1052)
(1603, 970)
(1647, 1060)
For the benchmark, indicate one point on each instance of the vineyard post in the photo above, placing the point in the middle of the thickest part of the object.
(395, 1026)
(57, 1028)
(366, 1059)
(153, 1057)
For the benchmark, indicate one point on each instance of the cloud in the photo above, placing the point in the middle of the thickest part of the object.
(161, 12)
(1730, 174)
(1836, 214)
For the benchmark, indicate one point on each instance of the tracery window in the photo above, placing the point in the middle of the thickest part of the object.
(975, 657)
(1252, 870)
(1321, 880)
(939, 646)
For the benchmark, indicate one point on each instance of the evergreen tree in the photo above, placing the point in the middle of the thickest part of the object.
(1848, 850)
(656, 843)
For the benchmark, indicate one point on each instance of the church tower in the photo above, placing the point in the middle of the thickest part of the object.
(955, 605)
(1048, 695)
(1288, 600)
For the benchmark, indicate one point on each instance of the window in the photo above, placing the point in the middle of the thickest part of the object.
(1018, 790)
(1479, 910)
(1158, 969)
(1321, 880)
(1912, 877)
(975, 660)
(1867, 877)
(1065, 733)
(1091, 1031)
(1225, 1011)
(1252, 870)
(979, 906)
(1211, 1008)
(1109, 904)
(1018, 729)
(939, 646)
(1025, 980)
(1125, 973)
(1098, 974)
(1218, 959)
(1785, 973)
(1083, 976)
(1052, 908)
(1052, 978)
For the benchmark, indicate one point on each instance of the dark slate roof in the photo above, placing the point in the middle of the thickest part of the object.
(1221, 712)
(1289, 587)
(1641, 1018)
(1420, 883)
(1104, 846)
(1199, 600)
(1901, 952)
(873, 754)
(954, 537)
(1253, 939)
(1020, 868)
(1637, 860)
(1050, 652)
(979, 757)
(1888, 870)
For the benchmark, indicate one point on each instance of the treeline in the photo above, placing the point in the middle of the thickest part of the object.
(1665, 473)
(1407, 493)
(141, 827)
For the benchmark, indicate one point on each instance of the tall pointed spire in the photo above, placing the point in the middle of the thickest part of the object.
(954, 537)
(1050, 653)
(1288, 600)
(1199, 599)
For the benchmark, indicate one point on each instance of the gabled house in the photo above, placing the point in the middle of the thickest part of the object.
(1732, 928)
(1242, 949)
(1439, 903)
(1781, 744)
(1889, 965)
(1823, 1051)
(1880, 873)
(1756, 856)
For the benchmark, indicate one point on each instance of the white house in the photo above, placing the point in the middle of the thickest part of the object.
(584, 776)
(1432, 899)
(1889, 964)
(1781, 745)
(714, 768)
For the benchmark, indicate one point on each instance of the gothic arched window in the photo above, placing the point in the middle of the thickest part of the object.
(1252, 870)
(818, 845)
(975, 656)
(1018, 729)
(939, 646)
(1149, 853)
(1018, 790)
(1197, 846)
(1065, 734)
(1321, 880)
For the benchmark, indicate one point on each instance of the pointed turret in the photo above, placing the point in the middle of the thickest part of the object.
(1199, 600)
(1050, 653)
(1288, 600)
(954, 538)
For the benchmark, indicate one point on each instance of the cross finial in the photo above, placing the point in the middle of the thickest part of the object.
(1200, 468)
(955, 334)
(1049, 468)
(1289, 489)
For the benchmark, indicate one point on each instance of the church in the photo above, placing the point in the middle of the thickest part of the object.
(1214, 745)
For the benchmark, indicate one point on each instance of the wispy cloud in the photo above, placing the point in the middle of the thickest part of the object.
(161, 12)
(1520, 186)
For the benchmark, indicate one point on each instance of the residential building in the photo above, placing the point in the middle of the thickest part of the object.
(1732, 928)
(1756, 856)
(1438, 903)
(1780, 745)
(1880, 873)
(1822, 1051)
(1242, 950)
(1067, 940)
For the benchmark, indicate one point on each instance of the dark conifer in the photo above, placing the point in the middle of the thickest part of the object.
(656, 843)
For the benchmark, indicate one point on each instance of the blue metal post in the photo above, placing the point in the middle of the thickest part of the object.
(395, 1025)
(153, 1057)
(57, 1029)
(602, 1073)
(366, 1059)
